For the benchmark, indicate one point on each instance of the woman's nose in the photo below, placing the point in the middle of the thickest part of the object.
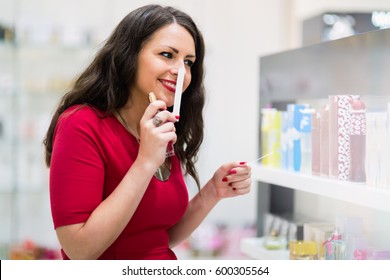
(175, 68)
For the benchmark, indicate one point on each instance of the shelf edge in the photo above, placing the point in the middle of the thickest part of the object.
(360, 194)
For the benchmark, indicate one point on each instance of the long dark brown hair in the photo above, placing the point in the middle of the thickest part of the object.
(105, 83)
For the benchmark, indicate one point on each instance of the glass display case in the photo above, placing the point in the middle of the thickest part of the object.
(37, 66)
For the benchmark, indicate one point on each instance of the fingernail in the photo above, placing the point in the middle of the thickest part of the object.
(230, 184)
(224, 179)
(177, 117)
(234, 189)
(233, 171)
(243, 162)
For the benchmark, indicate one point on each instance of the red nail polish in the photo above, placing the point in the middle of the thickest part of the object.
(243, 162)
(177, 117)
(234, 189)
(230, 184)
(233, 171)
(224, 179)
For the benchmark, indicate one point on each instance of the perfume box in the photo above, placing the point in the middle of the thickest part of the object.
(324, 141)
(296, 119)
(316, 143)
(340, 114)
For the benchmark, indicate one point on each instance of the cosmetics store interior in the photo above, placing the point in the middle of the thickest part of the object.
(306, 87)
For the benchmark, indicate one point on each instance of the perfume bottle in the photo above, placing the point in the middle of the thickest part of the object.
(274, 241)
(357, 136)
(379, 255)
(301, 249)
(366, 254)
(335, 246)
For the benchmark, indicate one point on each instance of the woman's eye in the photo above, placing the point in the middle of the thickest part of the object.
(169, 55)
(189, 63)
(166, 54)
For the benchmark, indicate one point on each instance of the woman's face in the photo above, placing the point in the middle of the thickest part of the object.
(170, 48)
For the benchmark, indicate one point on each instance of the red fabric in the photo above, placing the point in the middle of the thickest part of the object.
(91, 154)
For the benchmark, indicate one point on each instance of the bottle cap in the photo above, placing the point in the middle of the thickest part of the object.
(336, 234)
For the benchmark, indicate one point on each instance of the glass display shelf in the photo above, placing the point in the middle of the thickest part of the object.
(357, 193)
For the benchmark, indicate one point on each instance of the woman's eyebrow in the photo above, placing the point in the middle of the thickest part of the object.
(177, 51)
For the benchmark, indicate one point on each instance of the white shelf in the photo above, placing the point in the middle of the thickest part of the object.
(253, 247)
(360, 194)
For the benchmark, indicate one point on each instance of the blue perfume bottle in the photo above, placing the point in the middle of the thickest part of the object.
(295, 115)
(335, 247)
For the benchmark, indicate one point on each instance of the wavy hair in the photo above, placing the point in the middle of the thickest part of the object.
(105, 83)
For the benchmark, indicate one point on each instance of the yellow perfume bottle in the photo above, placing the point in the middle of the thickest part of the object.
(303, 250)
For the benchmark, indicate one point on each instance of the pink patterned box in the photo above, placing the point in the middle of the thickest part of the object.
(339, 140)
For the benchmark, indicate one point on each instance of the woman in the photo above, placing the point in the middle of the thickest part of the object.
(114, 193)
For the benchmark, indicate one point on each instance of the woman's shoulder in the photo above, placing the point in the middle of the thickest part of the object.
(82, 114)
(83, 110)
(81, 118)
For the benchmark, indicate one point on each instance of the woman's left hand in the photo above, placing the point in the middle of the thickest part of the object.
(232, 179)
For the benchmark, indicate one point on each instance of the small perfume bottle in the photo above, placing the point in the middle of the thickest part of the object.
(379, 255)
(335, 246)
(301, 249)
(274, 241)
(365, 254)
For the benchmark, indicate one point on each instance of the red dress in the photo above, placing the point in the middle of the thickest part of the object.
(91, 155)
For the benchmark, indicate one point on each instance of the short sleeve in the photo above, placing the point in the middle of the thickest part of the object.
(77, 168)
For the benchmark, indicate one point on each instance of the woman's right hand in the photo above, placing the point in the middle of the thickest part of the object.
(157, 129)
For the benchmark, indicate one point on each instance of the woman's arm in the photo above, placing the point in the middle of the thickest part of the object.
(229, 180)
(90, 239)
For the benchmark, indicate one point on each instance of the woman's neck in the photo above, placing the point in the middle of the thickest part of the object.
(130, 119)
(131, 114)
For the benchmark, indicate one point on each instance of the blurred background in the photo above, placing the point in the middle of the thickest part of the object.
(45, 44)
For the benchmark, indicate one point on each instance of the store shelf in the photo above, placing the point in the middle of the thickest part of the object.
(253, 247)
(360, 194)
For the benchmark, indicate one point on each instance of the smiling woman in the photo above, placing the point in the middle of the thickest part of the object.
(169, 49)
(107, 141)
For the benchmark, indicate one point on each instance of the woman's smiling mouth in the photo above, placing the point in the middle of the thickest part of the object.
(170, 85)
